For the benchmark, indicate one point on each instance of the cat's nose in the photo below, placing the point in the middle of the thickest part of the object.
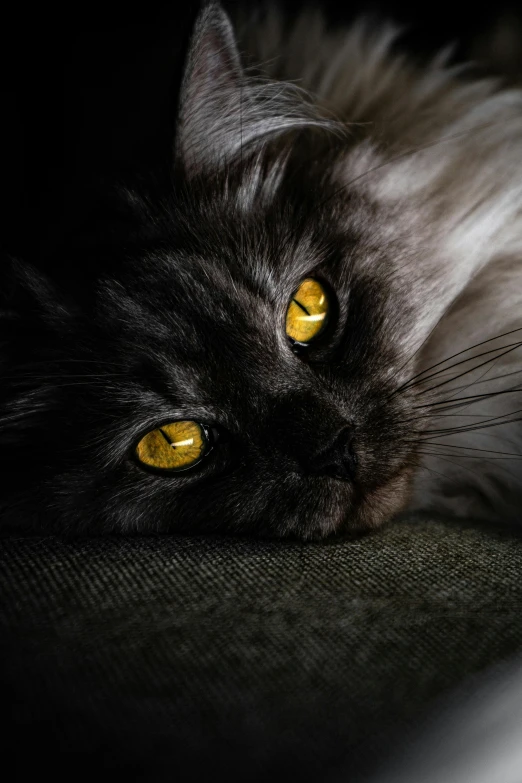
(337, 460)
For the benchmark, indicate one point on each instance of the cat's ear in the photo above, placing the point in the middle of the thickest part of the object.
(222, 110)
(209, 121)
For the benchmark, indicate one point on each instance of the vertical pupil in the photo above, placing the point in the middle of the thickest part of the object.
(301, 305)
(308, 312)
(174, 446)
(177, 444)
(165, 435)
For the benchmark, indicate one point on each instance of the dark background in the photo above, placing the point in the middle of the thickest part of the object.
(90, 91)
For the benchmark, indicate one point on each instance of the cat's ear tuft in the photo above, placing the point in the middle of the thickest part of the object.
(211, 94)
(224, 112)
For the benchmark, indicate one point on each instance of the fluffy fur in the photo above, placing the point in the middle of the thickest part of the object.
(400, 187)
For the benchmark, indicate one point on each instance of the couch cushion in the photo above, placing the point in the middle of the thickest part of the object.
(147, 655)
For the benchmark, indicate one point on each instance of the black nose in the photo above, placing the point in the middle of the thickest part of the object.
(337, 460)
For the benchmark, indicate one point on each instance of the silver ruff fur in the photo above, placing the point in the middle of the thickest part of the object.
(441, 153)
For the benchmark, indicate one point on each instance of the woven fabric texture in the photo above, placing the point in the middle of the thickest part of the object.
(162, 658)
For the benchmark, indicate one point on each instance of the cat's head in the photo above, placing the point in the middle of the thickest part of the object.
(233, 363)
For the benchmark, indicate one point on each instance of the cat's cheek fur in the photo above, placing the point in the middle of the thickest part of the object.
(384, 502)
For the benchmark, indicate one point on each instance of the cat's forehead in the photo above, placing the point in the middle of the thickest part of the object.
(197, 311)
(234, 267)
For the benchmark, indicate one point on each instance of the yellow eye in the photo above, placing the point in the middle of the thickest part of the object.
(307, 313)
(175, 446)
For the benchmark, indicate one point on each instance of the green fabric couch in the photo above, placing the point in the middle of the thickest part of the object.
(173, 658)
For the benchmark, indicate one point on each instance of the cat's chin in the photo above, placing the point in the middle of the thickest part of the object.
(345, 514)
(379, 505)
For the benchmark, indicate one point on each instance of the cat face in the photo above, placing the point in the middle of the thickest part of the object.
(183, 342)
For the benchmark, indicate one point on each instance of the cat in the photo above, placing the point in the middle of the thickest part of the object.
(317, 327)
